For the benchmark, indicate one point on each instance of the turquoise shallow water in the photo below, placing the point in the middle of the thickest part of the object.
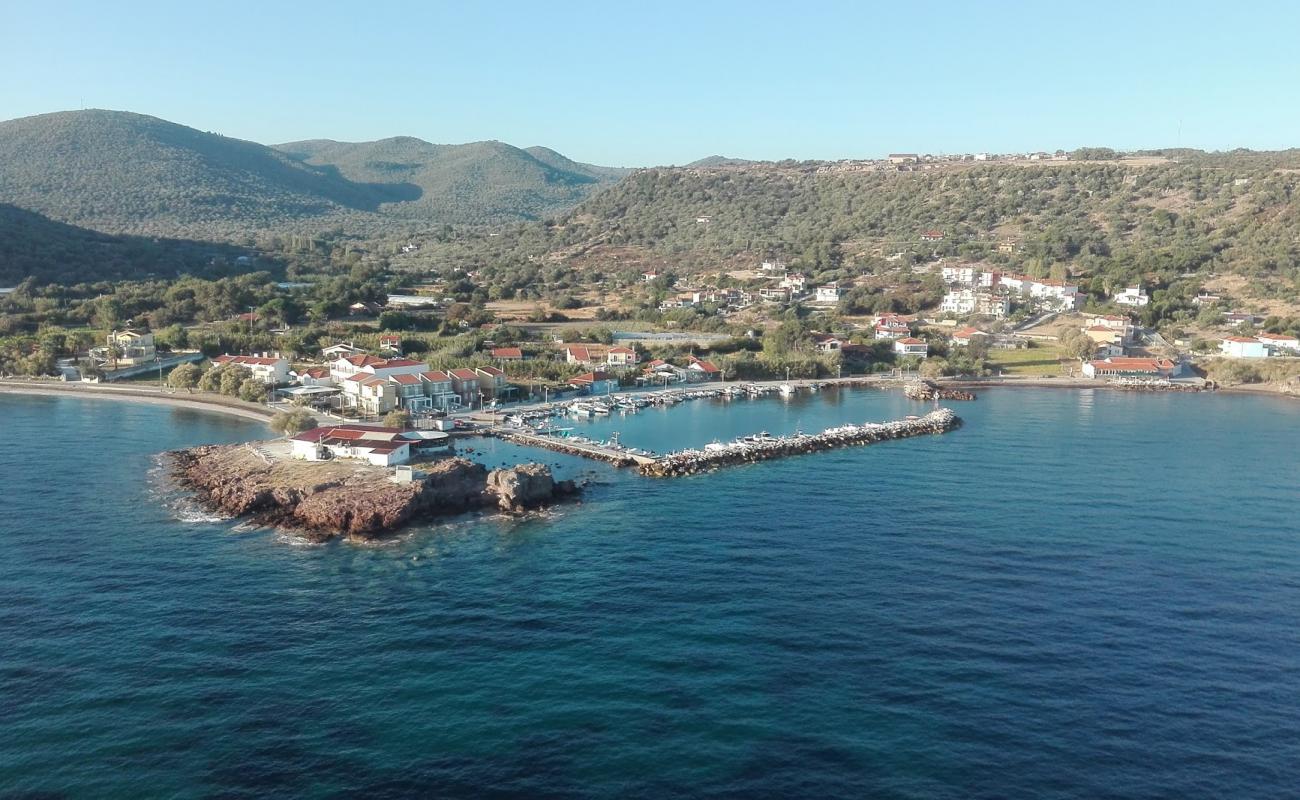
(1079, 594)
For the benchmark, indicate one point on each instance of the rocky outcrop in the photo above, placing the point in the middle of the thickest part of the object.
(929, 390)
(526, 486)
(353, 498)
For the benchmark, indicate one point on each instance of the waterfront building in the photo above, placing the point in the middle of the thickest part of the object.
(700, 370)
(465, 383)
(595, 383)
(271, 370)
(377, 445)
(315, 376)
(911, 346)
(440, 390)
(1116, 367)
(965, 336)
(1243, 347)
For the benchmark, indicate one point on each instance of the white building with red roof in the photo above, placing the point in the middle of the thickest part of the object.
(377, 445)
(268, 369)
(700, 370)
(1131, 368)
(911, 346)
(1278, 343)
(577, 354)
(619, 356)
(1243, 347)
(964, 336)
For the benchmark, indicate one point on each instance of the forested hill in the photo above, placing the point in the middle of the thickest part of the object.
(120, 172)
(33, 246)
(1131, 217)
(477, 183)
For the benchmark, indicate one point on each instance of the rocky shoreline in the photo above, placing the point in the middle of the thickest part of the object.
(327, 499)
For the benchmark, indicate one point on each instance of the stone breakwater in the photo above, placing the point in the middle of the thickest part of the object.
(347, 497)
(691, 462)
(928, 390)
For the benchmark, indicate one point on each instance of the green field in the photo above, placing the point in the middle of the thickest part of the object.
(1040, 362)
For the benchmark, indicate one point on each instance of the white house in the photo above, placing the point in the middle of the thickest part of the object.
(965, 336)
(911, 346)
(1130, 368)
(1132, 296)
(963, 274)
(1242, 347)
(1280, 343)
(382, 447)
(794, 281)
(971, 301)
(268, 369)
(341, 350)
(830, 293)
(620, 356)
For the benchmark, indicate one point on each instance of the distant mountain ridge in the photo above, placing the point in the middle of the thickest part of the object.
(126, 173)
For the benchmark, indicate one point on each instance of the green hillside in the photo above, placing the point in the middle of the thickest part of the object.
(126, 173)
(33, 246)
(466, 184)
(1124, 219)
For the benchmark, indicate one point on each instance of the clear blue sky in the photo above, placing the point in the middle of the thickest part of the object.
(642, 83)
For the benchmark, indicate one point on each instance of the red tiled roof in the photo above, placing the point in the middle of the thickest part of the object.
(395, 362)
(406, 380)
(507, 352)
(362, 360)
(1276, 337)
(317, 372)
(435, 376)
(623, 351)
(579, 352)
(344, 432)
(249, 360)
(704, 366)
(465, 374)
(591, 377)
(493, 371)
(911, 340)
(1242, 339)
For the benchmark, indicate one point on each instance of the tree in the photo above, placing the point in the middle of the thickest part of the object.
(186, 376)
(397, 418)
(252, 389)
(233, 378)
(293, 421)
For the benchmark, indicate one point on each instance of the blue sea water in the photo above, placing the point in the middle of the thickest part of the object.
(1077, 595)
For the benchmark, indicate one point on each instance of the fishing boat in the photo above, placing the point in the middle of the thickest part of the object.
(786, 389)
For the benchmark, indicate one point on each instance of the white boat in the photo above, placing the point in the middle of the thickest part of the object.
(786, 389)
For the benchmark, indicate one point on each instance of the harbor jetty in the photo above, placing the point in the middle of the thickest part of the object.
(929, 390)
(765, 448)
(585, 449)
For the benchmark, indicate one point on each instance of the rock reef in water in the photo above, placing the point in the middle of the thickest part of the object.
(347, 497)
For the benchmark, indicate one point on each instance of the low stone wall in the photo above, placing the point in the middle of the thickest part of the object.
(691, 462)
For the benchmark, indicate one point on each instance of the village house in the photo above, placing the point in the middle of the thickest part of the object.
(795, 282)
(892, 326)
(1206, 299)
(408, 392)
(1243, 347)
(345, 366)
(360, 309)
(315, 376)
(369, 394)
(964, 336)
(830, 293)
(373, 386)
(774, 294)
(620, 356)
(931, 236)
(1131, 368)
(911, 346)
(1121, 325)
(1132, 296)
(577, 354)
(963, 302)
(507, 354)
(341, 350)
(271, 370)
(1235, 319)
(465, 383)
(391, 344)
(1104, 350)
(659, 371)
(827, 343)
(647, 277)
(964, 274)
(1280, 344)
(594, 383)
(439, 389)
(493, 382)
(700, 370)
(131, 347)
(1104, 335)
(1051, 294)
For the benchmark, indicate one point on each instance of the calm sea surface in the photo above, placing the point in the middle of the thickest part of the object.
(1077, 595)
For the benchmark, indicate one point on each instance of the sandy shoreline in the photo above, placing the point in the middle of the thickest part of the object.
(199, 401)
